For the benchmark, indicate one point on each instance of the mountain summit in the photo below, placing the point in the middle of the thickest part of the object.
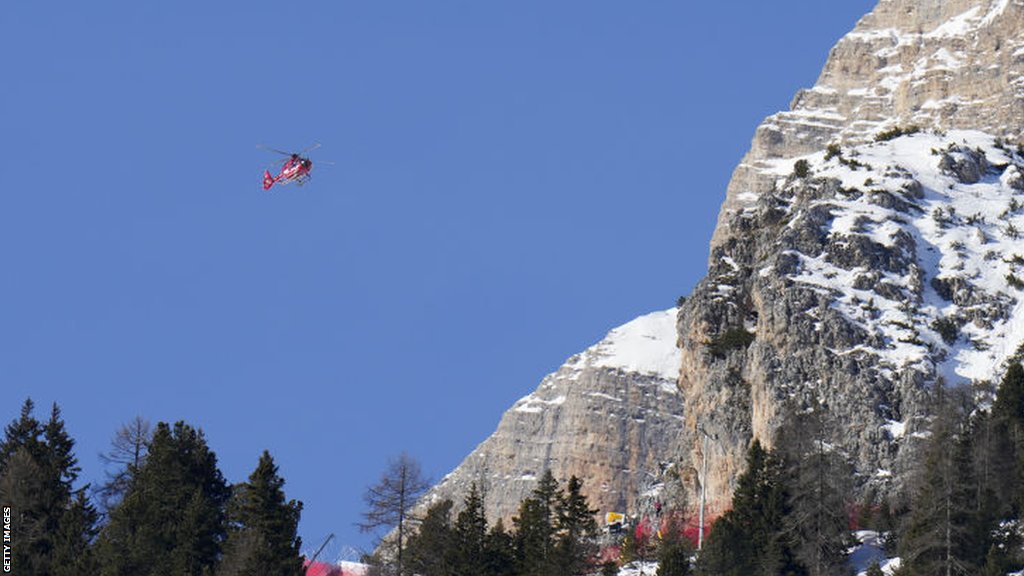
(869, 242)
(870, 246)
(935, 64)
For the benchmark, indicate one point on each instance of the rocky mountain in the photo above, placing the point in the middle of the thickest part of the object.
(610, 415)
(870, 245)
(930, 63)
(866, 275)
(863, 265)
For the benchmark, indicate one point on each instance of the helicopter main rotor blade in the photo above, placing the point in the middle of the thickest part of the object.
(310, 149)
(275, 150)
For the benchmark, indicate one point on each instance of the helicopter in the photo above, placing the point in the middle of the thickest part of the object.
(295, 168)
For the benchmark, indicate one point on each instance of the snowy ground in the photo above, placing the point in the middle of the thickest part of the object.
(870, 550)
(867, 551)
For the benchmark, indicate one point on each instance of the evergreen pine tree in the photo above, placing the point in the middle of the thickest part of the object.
(471, 535)
(674, 550)
(432, 549)
(37, 472)
(259, 513)
(729, 549)
(749, 539)
(1009, 404)
(535, 529)
(172, 515)
(25, 432)
(940, 534)
(499, 552)
(1007, 443)
(72, 547)
(818, 481)
(576, 545)
(22, 490)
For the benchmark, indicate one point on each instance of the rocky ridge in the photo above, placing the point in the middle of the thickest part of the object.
(609, 415)
(866, 275)
(935, 64)
(865, 265)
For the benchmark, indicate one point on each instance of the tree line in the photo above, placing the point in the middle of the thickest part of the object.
(165, 509)
(959, 511)
(554, 533)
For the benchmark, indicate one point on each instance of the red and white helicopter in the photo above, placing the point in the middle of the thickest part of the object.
(296, 168)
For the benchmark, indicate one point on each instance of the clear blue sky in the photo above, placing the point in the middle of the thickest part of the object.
(512, 180)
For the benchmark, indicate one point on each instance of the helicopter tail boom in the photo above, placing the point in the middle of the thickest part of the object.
(268, 180)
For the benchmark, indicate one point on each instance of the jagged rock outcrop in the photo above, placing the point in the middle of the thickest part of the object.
(609, 415)
(908, 65)
(943, 64)
(865, 275)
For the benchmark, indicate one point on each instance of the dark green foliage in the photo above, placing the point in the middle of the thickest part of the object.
(470, 535)
(1012, 280)
(896, 132)
(262, 526)
(72, 544)
(1011, 231)
(431, 548)
(874, 569)
(729, 340)
(21, 488)
(500, 552)
(1009, 404)
(832, 150)
(24, 432)
(555, 535)
(947, 329)
(171, 518)
(853, 164)
(817, 482)
(674, 550)
(749, 539)
(802, 168)
(38, 468)
(535, 529)
(577, 531)
(998, 440)
(942, 531)
(729, 549)
(964, 508)
(1001, 557)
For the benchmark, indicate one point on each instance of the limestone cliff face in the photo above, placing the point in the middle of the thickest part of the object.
(864, 273)
(931, 63)
(609, 415)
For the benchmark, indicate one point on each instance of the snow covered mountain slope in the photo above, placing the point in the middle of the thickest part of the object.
(954, 64)
(608, 415)
(952, 202)
(865, 275)
(851, 268)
